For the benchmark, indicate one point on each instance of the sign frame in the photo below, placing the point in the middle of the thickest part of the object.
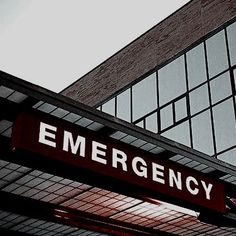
(91, 155)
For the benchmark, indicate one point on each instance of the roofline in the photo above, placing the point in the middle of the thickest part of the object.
(133, 41)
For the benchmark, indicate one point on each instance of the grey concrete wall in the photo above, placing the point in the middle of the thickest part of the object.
(161, 43)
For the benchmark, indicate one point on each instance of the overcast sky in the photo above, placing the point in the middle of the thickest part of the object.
(52, 43)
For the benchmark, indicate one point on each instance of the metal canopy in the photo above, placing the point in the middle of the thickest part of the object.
(100, 210)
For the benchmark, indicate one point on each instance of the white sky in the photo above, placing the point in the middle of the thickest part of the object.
(52, 43)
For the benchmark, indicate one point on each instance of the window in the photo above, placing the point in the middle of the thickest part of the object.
(109, 107)
(179, 133)
(151, 123)
(229, 156)
(206, 104)
(180, 109)
(202, 133)
(220, 88)
(123, 106)
(224, 125)
(140, 124)
(199, 99)
(144, 96)
(166, 117)
(231, 31)
(234, 81)
(216, 54)
(172, 80)
(196, 66)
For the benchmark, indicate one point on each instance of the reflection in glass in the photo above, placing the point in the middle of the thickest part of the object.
(231, 31)
(172, 81)
(151, 123)
(179, 133)
(144, 96)
(166, 117)
(196, 66)
(229, 156)
(123, 106)
(202, 133)
(224, 124)
(180, 109)
(217, 54)
(109, 107)
(220, 88)
(199, 99)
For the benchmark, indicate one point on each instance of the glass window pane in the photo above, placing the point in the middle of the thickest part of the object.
(144, 96)
(151, 123)
(220, 88)
(123, 106)
(179, 133)
(72, 117)
(140, 124)
(202, 133)
(180, 109)
(235, 80)
(216, 53)
(17, 97)
(109, 107)
(5, 92)
(231, 30)
(166, 117)
(4, 125)
(196, 66)
(224, 124)
(172, 81)
(199, 99)
(46, 107)
(229, 156)
(59, 112)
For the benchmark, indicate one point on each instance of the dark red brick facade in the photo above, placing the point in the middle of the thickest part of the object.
(162, 42)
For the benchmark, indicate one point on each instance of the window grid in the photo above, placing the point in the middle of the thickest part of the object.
(210, 101)
(232, 79)
(188, 101)
(224, 42)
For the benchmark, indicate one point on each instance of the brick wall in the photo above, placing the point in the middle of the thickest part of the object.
(162, 42)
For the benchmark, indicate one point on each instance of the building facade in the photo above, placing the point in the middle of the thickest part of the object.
(177, 80)
(150, 152)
